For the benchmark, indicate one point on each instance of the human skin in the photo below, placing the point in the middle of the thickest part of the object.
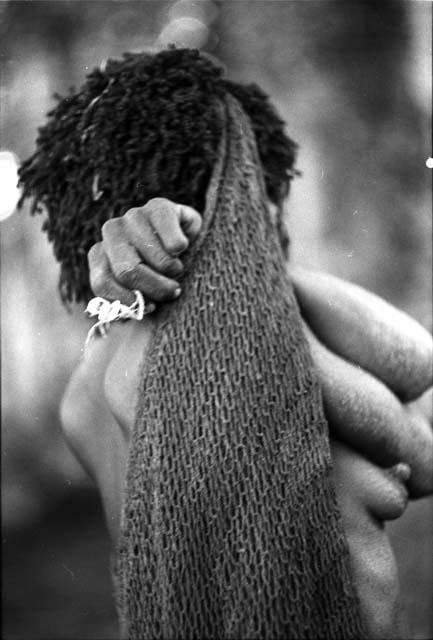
(374, 362)
(98, 409)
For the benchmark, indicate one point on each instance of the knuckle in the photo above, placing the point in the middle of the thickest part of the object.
(98, 283)
(176, 245)
(192, 214)
(134, 214)
(158, 203)
(127, 274)
(111, 227)
(165, 263)
(94, 253)
(168, 265)
(162, 209)
(196, 225)
(156, 207)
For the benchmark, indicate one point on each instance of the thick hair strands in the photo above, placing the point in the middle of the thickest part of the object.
(145, 126)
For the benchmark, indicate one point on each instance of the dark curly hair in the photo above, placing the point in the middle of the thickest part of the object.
(144, 126)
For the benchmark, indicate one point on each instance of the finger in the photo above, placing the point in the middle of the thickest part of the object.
(190, 221)
(363, 328)
(361, 482)
(164, 217)
(102, 280)
(131, 273)
(365, 414)
(142, 236)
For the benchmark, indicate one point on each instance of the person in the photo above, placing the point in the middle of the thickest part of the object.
(381, 446)
(371, 424)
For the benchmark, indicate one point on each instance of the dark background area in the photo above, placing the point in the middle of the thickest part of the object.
(353, 81)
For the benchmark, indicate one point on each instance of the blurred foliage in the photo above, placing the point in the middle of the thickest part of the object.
(343, 74)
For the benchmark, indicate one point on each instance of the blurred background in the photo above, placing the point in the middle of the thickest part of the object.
(353, 81)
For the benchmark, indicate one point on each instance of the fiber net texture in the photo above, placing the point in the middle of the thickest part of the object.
(230, 524)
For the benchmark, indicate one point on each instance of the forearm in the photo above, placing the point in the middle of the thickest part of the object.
(365, 414)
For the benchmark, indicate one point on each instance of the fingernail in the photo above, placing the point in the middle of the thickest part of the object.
(177, 292)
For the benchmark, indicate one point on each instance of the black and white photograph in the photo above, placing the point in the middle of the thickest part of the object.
(216, 319)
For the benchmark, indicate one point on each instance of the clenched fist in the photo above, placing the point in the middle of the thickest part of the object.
(374, 362)
(141, 251)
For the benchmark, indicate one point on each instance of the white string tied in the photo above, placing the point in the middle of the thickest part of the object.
(108, 312)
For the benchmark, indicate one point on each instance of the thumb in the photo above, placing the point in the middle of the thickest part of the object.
(190, 221)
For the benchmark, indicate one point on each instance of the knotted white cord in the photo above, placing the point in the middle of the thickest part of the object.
(108, 312)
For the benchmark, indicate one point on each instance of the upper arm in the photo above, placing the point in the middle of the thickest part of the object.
(84, 410)
(98, 409)
(93, 433)
(366, 330)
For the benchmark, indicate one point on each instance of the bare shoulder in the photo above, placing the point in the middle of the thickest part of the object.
(122, 373)
(98, 408)
(107, 376)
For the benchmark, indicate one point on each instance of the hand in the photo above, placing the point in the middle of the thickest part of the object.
(141, 251)
(366, 352)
